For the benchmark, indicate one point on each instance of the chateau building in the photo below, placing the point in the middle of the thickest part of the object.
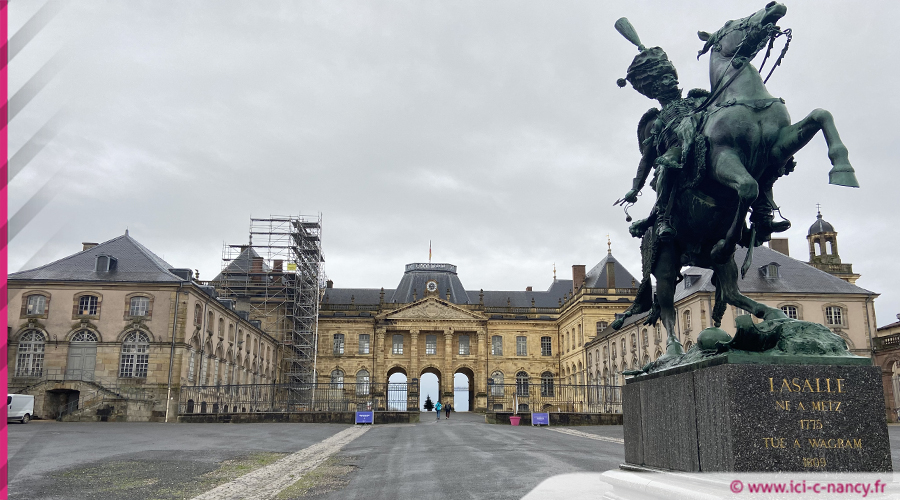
(429, 323)
(114, 331)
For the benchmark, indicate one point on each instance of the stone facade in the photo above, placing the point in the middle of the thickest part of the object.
(98, 345)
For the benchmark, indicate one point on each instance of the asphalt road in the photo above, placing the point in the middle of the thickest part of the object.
(451, 459)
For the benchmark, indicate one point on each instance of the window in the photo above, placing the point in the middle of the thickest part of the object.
(337, 379)
(221, 331)
(362, 382)
(521, 384)
(790, 312)
(30, 356)
(769, 271)
(546, 349)
(658, 335)
(190, 373)
(464, 345)
(338, 344)
(139, 306)
(687, 320)
(633, 343)
(135, 355)
(496, 345)
(198, 315)
(431, 344)
(834, 315)
(398, 344)
(521, 346)
(546, 384)
(623, 347)
(88, 305)
(209, 322)
(35, 305)
(84, 336)
(601, 325)
(105, 263)
(497, 388)
(364, 343)
(614, 350)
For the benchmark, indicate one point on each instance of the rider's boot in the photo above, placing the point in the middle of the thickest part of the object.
(766, 224)
(664, 230)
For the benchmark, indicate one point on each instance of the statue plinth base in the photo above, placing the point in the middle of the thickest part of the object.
(736, 413)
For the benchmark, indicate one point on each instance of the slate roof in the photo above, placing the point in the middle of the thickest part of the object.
(415, 280)
(239, 268)
(135, 263)
(597, 276)
(794, 276)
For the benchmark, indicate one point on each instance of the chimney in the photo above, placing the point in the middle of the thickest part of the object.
(577, 277)
(256, 269)
(87, 246)
(780, 245)
(277, 265)
(610, 274)
(329, 284)
(527, 288)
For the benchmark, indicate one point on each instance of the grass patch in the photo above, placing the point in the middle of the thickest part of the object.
(331, 475)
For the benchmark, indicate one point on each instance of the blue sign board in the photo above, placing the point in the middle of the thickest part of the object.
(540, 419)
(365, 417)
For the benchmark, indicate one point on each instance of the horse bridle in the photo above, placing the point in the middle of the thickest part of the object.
(773, 33)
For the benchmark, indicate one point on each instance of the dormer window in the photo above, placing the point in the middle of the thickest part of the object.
(691, 280)
(769, 271)
(106, 263)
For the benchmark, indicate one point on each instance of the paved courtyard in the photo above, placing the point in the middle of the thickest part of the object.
(457, 458)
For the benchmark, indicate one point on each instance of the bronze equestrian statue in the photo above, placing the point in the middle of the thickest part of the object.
(717, 155)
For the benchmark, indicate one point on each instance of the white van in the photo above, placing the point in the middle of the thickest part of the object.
(19, 407)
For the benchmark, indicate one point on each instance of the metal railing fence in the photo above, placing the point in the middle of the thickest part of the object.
(298, 397)
(554, 398)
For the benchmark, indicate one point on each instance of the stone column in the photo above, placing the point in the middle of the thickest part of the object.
(446, 388)
(378, 369)
(413, 355)
(479, 385)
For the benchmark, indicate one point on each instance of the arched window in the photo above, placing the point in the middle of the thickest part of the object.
(497, 388)
(30, 356)
(522, 384)
(209, 322)
(191, 360)
(546, 384)
(337, 379)
(84, 336)
(687, 320)
(790, 312)
(87, 305)
(198, 315)
(362, 382)
(139, 306)
(221, 331)
(135, 355)
(633, 342)
(645, 337)
(34, 305)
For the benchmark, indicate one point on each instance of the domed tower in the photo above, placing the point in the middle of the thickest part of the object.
(823, 251)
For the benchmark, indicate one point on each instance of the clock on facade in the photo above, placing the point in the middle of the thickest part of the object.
(431, 286)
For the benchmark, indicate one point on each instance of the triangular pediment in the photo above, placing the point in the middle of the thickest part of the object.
(432, 309)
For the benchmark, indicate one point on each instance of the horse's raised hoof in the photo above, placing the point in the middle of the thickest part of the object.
(719, 253)
(843, 175)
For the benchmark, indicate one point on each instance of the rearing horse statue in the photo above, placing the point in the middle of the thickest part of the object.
(726, 148)
(751, 139)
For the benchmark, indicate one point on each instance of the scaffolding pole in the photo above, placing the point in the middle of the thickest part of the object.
(277, 278)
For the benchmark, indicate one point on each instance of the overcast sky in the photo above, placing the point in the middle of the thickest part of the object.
(495, 130)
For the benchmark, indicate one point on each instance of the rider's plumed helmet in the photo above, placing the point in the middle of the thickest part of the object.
(647, 68)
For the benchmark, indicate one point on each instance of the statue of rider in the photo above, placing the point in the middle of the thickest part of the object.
(665, 135)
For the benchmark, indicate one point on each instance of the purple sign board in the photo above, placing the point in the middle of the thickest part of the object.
(365, 417)
(540, 419)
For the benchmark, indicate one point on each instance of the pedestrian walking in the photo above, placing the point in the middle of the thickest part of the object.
(448, 409)
(437, 409)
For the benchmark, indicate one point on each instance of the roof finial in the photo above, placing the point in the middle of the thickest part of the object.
(554, 271)
(608, 245)
(126, 231)
(819, 210)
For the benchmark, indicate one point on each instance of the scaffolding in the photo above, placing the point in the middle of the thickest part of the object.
(277, 278)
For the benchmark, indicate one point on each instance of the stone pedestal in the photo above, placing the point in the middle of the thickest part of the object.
(731, 413)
